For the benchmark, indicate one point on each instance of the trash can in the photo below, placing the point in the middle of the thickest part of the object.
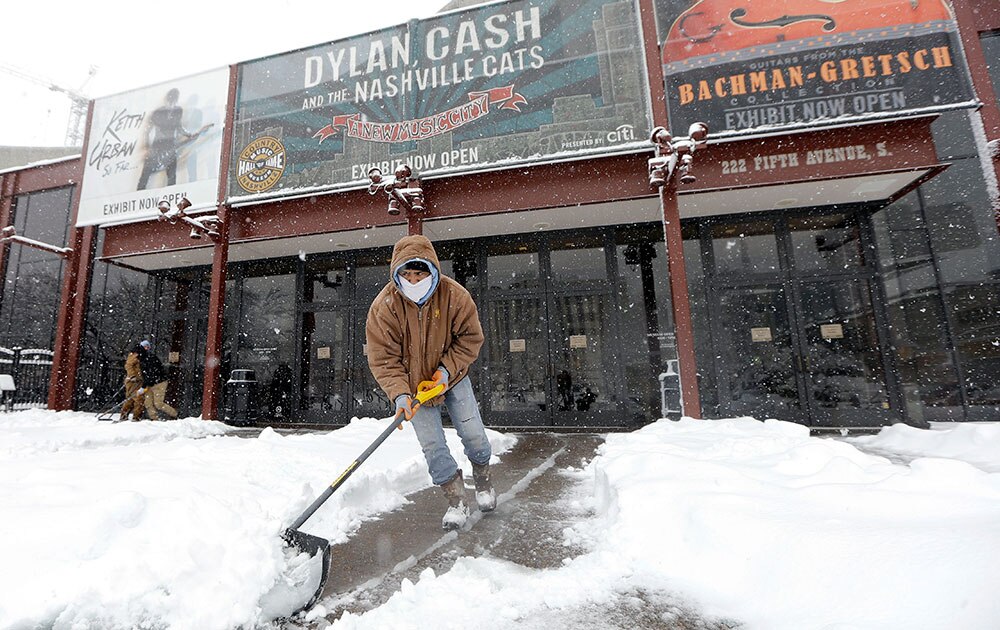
(240, 400)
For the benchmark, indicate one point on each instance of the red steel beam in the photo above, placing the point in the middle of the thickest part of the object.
(211, 386)
(75, 292)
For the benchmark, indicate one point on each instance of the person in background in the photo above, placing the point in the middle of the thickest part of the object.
(423, 330)
(134, 401)
(154, 375)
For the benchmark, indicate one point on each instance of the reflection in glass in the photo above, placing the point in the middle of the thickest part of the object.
(372, 274)
(513, 271)
(325, 281)
(917, 323)
(118, 317)
(745, 247)
(579, 263)
(518, 340)
(758, 362)
(825, 243)
(975, 311)
(648, 339)
(324, 364)
(369, 399)
(266, 337)
(32, 284)
(843, 364)
(578, 326)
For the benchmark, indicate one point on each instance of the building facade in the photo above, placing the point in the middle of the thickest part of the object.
(835, 263)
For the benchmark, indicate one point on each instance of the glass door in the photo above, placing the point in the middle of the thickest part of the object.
(515, 323)
(549, 328)
(179, 337)
(518, 350)
(581, 328)
(798, 325)
(324, 385)
(843, 367)
(757, 373)
(370, 272)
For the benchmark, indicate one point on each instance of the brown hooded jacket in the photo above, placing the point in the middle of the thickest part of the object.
(407, 343)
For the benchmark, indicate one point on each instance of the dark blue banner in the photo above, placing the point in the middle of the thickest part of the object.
(496, 86)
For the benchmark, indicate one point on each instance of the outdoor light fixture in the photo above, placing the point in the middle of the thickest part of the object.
(200, 227)
(9, 235)
(670, 151)
(401, 195)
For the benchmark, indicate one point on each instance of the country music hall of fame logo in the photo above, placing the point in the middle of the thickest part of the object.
(261, 164)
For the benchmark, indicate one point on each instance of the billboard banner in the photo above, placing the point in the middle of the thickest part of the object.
(494, 86)
(159, 141)
(752, 68)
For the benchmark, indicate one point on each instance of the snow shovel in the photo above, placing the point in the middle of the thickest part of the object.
(311, 545)
(110, 412)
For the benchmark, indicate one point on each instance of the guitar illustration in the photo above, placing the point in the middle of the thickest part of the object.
(713, 26)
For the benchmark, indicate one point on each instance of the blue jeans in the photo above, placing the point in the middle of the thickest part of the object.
(464, 412)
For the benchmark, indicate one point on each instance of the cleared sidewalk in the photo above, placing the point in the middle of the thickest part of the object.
(526, 529)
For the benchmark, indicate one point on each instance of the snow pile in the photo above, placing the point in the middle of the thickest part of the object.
(730, 522)
(29, 433)
(761, 522)
(748, 523)
(975, 443)
(168, 525)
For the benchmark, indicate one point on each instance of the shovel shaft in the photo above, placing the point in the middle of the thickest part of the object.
(421, 398)
(339, 481)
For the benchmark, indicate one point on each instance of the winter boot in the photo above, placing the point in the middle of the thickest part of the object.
(454, 490)
(486, 497)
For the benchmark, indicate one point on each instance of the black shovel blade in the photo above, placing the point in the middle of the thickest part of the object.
(311, 545)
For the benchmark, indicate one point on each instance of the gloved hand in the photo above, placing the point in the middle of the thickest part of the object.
(440, 377)
(405, 404)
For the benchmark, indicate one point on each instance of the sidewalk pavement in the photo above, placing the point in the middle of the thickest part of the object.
(525, 529)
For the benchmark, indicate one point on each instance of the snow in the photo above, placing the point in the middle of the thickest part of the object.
(754, 524)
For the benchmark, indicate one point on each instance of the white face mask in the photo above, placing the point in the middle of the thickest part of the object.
(415, 292)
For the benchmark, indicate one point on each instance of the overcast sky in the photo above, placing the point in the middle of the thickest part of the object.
(132, 45)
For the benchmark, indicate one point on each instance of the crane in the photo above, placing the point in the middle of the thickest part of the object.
(78, 101)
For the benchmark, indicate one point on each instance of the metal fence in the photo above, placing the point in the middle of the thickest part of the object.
(31, 369)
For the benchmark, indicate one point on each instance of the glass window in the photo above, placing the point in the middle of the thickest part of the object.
(975, 312)
(325, 280)
(372, 274)
(915, 312)
(33, 281)
(459, 263)
(171, 297)
(118, 317)
(825, 243)
(44, 217)
(698, 296)
(991, 50)
(953, 137)
(266, 335)
(745, 247)
(512, 266)
(842, 362)
(962, 223)
(579, 263)
(580, 332)
(648, 340)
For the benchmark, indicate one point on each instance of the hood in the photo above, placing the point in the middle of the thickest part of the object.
(415, 247)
